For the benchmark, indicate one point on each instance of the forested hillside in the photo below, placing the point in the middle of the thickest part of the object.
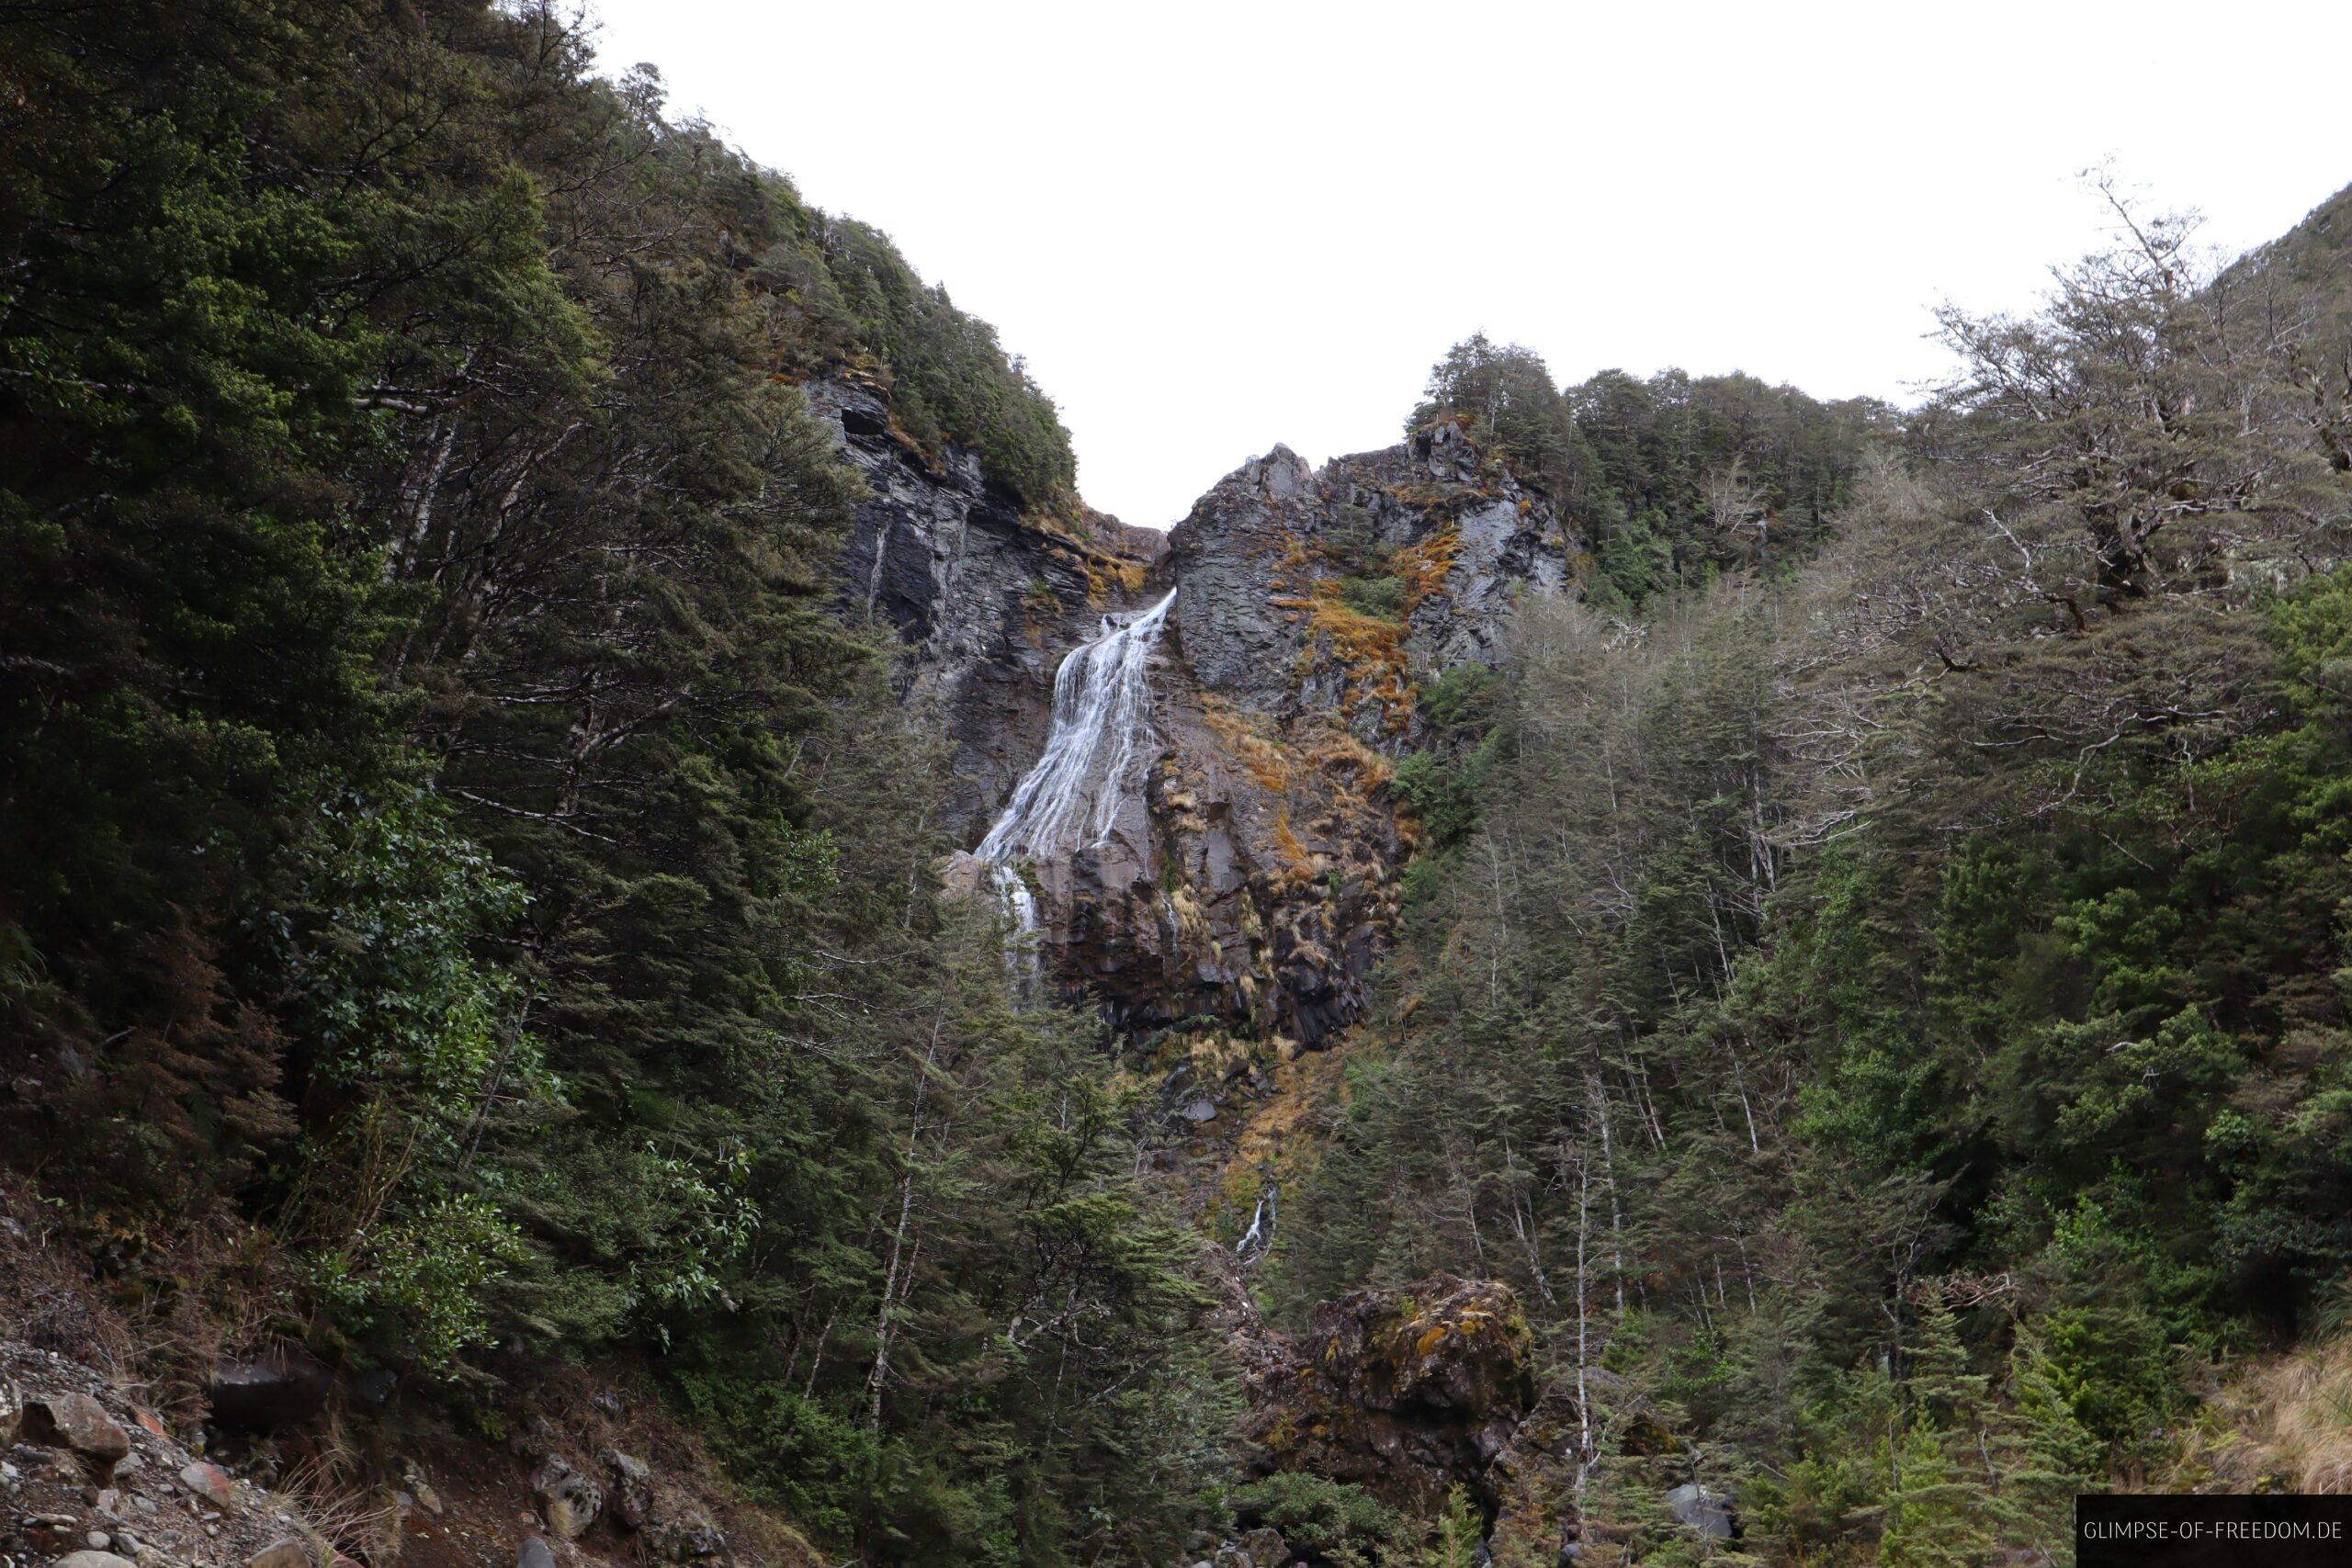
(1664, 971)
(1883, 1010)
(446, 826)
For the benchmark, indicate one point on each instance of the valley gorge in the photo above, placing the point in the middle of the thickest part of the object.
(630, 933)
(1206, 852)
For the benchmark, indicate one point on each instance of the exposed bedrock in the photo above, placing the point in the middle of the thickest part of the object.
(1245, 875)
(1310, 605)
(985, 599)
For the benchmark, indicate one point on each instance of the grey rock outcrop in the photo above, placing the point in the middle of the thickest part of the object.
(1251, 881)
(632, 1488)
(1702, 1509)
(984, 599)
(1309, 605)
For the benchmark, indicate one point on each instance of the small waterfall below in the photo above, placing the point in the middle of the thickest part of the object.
(1071, 799)
(1260, 1234)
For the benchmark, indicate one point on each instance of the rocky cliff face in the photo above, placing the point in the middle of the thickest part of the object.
(1246, 880)
(1309, 607)
(985, 599)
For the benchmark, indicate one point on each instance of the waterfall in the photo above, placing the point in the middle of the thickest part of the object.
(1070, 800)
(1260, 1234)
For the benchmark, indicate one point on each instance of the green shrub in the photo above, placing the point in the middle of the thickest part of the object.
(785, 1450)
(1320, 1517)
(1382, 598)
(1441, 791)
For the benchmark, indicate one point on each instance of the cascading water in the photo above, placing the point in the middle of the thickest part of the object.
(1260, 1234)
(1070, 800)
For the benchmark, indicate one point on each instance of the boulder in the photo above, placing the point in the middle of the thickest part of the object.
(77, 1422)
(420, 1486)
(289, 1553)
(210, 1483)
(1266, 1547)
(568, 1500)
(1704, 1509)
(632, 1488)
(93, 1560)
(1406, 1392)
(687, 1538)
(277, 1388)
(534, 1553)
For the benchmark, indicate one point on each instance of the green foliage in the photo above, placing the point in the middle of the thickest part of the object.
(442, 817)
(1675, 477)
(944, 372)
(1459, 1533)
(788, 1448)
(1440, 792)
(1636, 561)
(1506, 395)
(421, 1275)
(1461, 699)
(409, 1040)
(1330, 1518)
(1382, 598)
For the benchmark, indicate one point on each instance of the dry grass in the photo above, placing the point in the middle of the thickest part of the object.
(1298, 861)
(2284, 1426)
(1423, 567)
(342, 1510)
(152, 1309)
(53, 1304)
(1370, 649)
(1108, 576)
(1262, 756)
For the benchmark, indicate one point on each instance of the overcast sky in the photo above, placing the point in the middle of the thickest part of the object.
(1213, 227)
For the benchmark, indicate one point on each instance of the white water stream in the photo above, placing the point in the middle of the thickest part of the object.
(1260, 1234)
(1070, 800)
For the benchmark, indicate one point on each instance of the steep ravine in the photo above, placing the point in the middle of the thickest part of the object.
(1174, 758)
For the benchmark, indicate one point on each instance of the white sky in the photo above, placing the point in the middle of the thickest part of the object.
(1211, 227)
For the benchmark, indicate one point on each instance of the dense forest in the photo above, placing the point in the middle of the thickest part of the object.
(1873, 971)
(1882, 1003)
(443, 823)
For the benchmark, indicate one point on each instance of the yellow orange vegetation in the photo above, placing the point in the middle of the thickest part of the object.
(1298, 863)
(1423, 567)
(1337, 752)
(1284, 1133)
(1372, 648)
(1261, 757)
(1107, 576)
